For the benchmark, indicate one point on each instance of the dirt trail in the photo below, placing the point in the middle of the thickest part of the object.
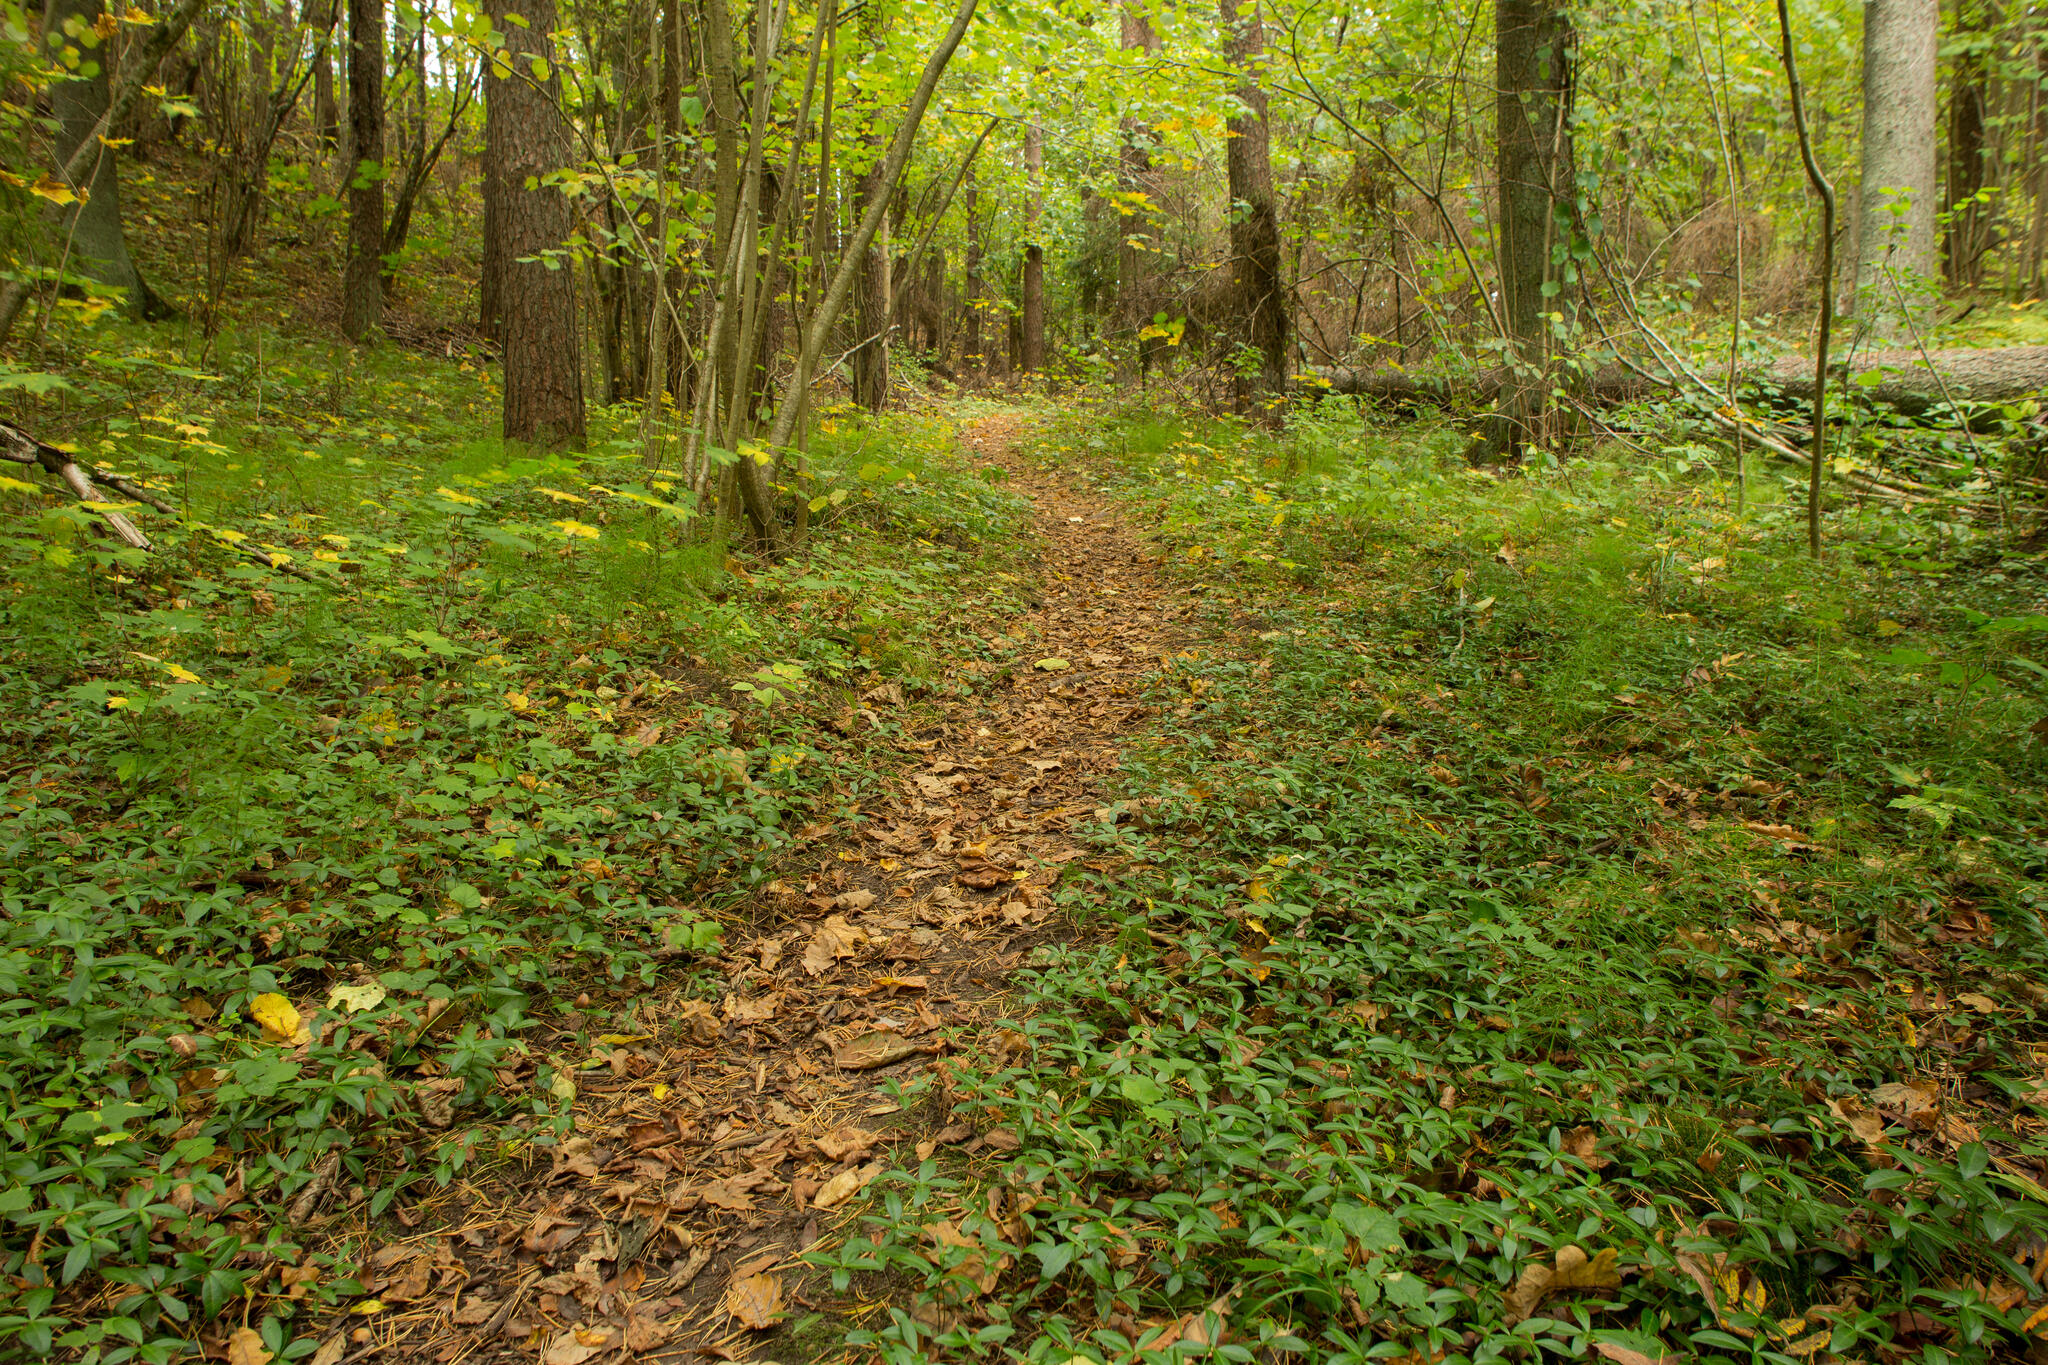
(707, 1156)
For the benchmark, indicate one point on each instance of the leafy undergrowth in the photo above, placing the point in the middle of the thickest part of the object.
(303, 849)
(1557, 918)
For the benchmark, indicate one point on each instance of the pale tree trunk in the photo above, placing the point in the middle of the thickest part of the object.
(362, 290)
(1897, 200)
(93, 241)
(525, 139)
(1138, 248)
(1533, 45)
(1033, 348)
(1260, 305)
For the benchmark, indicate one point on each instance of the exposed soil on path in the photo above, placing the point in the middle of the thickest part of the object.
(723, 1139)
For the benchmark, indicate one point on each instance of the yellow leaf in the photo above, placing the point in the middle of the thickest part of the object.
(577, 529)
(1259, 890)
(558, 495)
(519, 701)
(280, 1021)
(116, 703)
(54, 190)
(17, 485)
(368, 1307)
(463, 498)
(183, 674)
(755, 1300)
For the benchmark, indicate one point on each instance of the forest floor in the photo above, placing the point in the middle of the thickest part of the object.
(671, 1223)
(1132, 884)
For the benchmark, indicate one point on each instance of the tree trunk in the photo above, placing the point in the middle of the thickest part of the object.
(326, 111)
(362, 289)
(1896, 205)
(1532, 129)
(1968, 147)
(871, 300)
(525, 139)
(94, 243)
(971, 332)
(1139, 244)
(1260, 304)
(1033, 348)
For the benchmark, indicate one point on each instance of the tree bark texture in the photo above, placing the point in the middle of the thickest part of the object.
(526, 139)
(362, 288)
(1969, 169)
(1138, 250)
(93, 241)
(1896, 204)
(1033, 292)
(871, 300)
(970, 331)
(1260, 305)
(1532, 117)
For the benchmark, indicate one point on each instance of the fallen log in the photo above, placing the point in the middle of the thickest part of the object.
(1900, 379)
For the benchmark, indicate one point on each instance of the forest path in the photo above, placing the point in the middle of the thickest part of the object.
(701, 1167)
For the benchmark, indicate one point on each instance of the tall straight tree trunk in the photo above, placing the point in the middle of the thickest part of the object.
(1969, 149)
(1032, 351)
(362, 290)
(976, 289)
(93, 239)
(1532, 158)
(525, 139)
(872, 296)
(1139, 245)
(1261, 298)
(320, 16)
(1897, 199)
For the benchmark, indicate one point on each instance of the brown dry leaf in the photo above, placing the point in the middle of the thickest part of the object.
(977, 1272)
(849, 1141)
(245, 1347)
(877, 1047)
(644, 1333)
(1584, 1143)
(758, 1010)
(854, 900)
(1572, 1270)
(756, 1300)
(700, 1023)
(578, 1344)
(731, 1193)
(983, 878)
(846, 1185)
(1983, 1004)
(1868, 1127)
(475, 1311)
(1912, 1098)
(1622, 1355)
(410, 1282)
(830, 941)
(331, 1350)
(1002, 1140)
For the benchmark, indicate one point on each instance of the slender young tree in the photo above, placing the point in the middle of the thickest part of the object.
(1031, 354)
(1533, 51)
(1259, 307)
(362, 289)
(526, 139)
(1139, 247)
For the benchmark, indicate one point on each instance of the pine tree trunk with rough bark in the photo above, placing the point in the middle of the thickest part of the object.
(362, 288)
(525, 140)
(1259, 306)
